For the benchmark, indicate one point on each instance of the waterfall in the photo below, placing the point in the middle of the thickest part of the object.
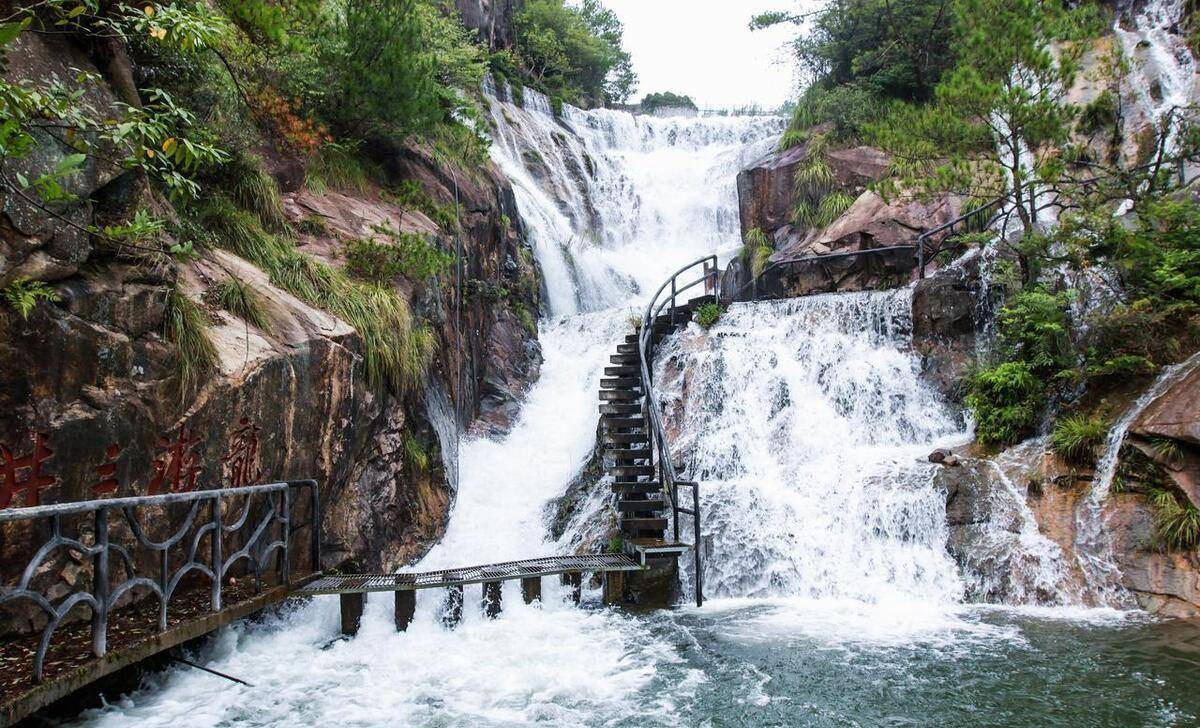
(808, 425)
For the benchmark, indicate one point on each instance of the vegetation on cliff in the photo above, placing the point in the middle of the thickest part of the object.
(666, 100)
(571, 53)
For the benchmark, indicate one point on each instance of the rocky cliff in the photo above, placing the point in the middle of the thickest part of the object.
(94, 393)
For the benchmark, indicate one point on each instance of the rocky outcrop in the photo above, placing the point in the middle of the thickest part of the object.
(767, 197)
(95, 379)
(491, 19)
(948, 312)
(766, 189)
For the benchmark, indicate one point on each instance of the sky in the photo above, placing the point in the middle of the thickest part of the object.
(705, 49)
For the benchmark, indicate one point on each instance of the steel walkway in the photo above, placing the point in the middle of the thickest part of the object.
(526, 569)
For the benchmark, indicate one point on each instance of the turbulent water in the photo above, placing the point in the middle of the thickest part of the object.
(808, 424)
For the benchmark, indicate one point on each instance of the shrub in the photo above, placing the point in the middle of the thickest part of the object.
(666, 100)
(1176, 520)
(23, 294)
(1078, 439)
(240, 299)
(1033, 326)
(708, 314)
(407, 254)
(185, 324)
(757, 251)
(1005, 400)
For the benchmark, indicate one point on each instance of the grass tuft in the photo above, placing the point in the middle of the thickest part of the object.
(240, 299)
(185, 324)
(708, 315)
(338, 167)
(257, 192)
(1176, 521)
(1078, 439)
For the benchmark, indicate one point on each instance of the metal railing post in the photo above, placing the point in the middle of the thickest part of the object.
(696, 545)
(100, 584)
(217, 555)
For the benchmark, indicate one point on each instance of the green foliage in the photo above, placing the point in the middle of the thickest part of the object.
(1176, 520)
(240, 299)
(616, 544)
(891, 49)
(1034, 327)
(1005, 400)
(573, 53)
(756, 251)
(666, 100)
(397, 351)
(1101, 115)
(24, 293)
(410, 195)
(185, 325)
(339, 167)
(707, 315)
(379, 84)
(256, 191)
(415, 455)
(407, 254)
(1078, 439)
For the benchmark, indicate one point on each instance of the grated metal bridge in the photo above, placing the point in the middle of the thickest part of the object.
(488, 573)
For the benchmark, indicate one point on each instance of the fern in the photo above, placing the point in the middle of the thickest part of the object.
(24, 293)
(1078, 439)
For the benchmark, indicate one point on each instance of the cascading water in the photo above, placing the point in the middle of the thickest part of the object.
(808, 424)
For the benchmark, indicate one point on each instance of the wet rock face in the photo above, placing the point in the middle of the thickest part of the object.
(94, 370)
(766, 193)
(492, 19)
(947, 313)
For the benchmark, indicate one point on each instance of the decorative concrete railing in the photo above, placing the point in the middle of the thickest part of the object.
(207, 536)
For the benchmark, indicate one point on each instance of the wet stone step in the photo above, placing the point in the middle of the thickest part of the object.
(626, 438)
(628, 370)
(643, 524)
(627, 470)
(621, 408)
(620, 395)
(627, 348)
(652, 487)
(622, 383)
(641, 506)
(625, 359)
(628, 452)
(623, 423)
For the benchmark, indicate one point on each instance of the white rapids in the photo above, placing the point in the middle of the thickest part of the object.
(806, 421)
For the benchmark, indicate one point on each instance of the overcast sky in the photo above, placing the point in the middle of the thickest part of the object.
(705, 49)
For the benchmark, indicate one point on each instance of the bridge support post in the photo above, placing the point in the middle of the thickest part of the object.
(531, 589)
(352, 611)
(452, 613)
(614, 587)
(406, 607)
(575, 581)
(491, 598)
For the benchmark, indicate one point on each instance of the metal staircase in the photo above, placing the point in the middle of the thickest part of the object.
(636, 450)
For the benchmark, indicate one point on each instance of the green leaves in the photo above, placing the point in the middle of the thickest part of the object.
(23, 295)
(10, 31)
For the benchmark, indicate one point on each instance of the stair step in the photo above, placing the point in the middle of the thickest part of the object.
(641, 506)
(617, 422)
(627, 348)
(628, 452)
(643, 524)
(622, 383)
(625, 370)
(625, 359)
(632, 470)
(624, 438)
(633, 338)
(620, 395)
(699, 301)
(647, 488)
(621, 408)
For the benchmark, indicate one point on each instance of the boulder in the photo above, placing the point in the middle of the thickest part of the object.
(1174, 414)
(766, 188)
(947, 310)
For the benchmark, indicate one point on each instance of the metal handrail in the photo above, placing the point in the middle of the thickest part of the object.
(668, 479)
(111, 548)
